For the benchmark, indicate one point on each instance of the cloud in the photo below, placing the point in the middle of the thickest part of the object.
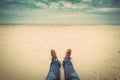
(74, 1)
(58, 4)
(43, 5)
(25, 9)
(85, 6)
(54, 5)
(109, 9)
(87, 1)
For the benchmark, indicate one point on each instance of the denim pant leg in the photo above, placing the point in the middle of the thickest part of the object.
(54, 72)
(69, 71)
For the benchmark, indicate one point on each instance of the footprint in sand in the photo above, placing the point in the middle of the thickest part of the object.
(118, 51)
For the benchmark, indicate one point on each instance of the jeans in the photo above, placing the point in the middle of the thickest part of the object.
(54, 72)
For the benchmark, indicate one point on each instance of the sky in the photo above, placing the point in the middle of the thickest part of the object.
(59, 11)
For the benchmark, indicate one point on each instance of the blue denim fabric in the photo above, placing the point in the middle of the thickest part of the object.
(69, 71)
(54, 72)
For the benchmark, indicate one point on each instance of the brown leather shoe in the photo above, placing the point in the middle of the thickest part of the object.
(68, 54)
(53, 55)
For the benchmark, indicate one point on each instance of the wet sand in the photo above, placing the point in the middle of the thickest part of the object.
(25, 51)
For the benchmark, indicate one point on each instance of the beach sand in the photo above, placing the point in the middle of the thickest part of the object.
(25, 51)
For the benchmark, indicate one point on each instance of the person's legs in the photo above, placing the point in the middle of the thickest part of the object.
(54, 72)
(69, 71)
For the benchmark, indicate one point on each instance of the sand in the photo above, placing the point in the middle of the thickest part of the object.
(25, 51)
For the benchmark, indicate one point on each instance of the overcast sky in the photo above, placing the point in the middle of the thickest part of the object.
(60, 11)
